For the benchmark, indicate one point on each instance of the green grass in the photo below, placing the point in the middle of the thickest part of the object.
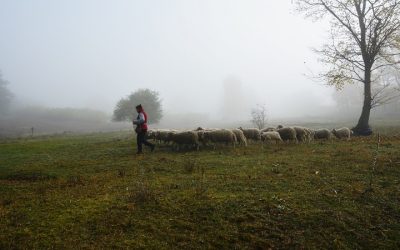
(91, 191)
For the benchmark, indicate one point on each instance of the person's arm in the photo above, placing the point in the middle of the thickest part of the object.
(140, 120)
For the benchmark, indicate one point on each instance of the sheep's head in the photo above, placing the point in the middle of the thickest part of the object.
(279, 127)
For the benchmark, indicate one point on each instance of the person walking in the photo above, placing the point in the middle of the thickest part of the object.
(141, 130)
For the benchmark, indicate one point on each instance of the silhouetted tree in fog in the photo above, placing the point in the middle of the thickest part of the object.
(365, 38)
(259, 116)
(125, 108)
(5, 96)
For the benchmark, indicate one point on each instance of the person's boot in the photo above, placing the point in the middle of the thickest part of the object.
(139, 152)
(152, 147)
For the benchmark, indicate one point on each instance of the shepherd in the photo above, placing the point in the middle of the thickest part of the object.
(141, 130)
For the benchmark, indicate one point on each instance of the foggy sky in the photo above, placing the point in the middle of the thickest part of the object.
(90, 53)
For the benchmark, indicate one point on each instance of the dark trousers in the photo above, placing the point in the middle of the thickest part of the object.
(141, 139)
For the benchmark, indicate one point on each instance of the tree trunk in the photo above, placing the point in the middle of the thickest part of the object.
(363, 127)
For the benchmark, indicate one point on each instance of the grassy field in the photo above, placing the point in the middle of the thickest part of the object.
(91, 191)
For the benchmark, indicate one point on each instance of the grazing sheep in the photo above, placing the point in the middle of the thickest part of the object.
(151, 134)
(158, 135)
(220, 136)
(267, 130)
(310, 134)
(251, 133)
(288, 134)
(240, 137)
(342, 133)
(303, 134)
(271, 136)
(323, 134)
(164, 135)
(201, 131)
(200, 134)
(188, 138)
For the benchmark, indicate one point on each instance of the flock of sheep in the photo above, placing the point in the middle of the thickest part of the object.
(242, 136)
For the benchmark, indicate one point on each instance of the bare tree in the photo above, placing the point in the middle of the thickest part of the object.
(365, 38)
(259, 116)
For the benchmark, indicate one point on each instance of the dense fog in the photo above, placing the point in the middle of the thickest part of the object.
(210, 61)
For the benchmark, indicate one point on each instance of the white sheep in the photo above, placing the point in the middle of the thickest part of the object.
(288, 134)
(342, 133)
(271, 136)
(240, 137)
(303, 134)
(164, 135)
(188, 138)
(251, 133)
(322, 134)
(220, 136)
(310, 134)
(268, 130)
